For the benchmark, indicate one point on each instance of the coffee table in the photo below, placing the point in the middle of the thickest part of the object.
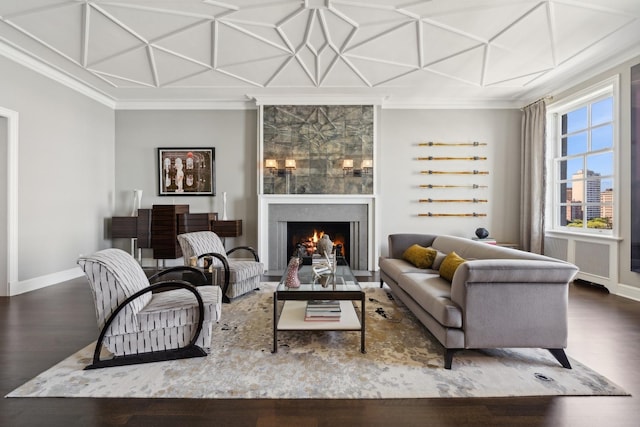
(341, 286)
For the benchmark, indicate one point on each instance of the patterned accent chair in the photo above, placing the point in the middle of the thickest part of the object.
(145, 321)
(240, 276)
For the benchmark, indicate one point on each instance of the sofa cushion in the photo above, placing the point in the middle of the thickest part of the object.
(450, 265)
(420, 256)
(433, 293)
(395, 268)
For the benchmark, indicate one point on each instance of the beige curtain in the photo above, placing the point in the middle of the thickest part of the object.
(532, 195)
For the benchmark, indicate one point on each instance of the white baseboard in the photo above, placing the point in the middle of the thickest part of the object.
(44, 281)
(631, 292)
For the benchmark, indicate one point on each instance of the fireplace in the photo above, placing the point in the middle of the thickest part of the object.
(317, 213)
(308, 234)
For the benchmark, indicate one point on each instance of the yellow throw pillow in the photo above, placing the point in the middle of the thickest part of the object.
(450, 265)
(420, 256)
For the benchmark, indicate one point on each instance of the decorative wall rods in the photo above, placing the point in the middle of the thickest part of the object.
(451, 144)
(473, 172)
(453, 200)
(452, 186)
(452, 158)
(451, 214)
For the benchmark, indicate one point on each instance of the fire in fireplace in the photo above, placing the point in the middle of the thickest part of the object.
(308, 234)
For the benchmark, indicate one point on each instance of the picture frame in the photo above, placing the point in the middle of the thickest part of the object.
(186, 171)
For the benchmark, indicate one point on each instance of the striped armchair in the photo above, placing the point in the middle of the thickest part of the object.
(141, 321)
(239, 276)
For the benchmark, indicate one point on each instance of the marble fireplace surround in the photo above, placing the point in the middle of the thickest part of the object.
(276, 211)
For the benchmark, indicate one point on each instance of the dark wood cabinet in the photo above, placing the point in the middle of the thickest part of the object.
(227, 228)
(164, 229)
(158, 228)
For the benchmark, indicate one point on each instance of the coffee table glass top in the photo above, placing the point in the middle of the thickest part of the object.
(343, 280)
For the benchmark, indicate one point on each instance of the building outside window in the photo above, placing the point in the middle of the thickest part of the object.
(582, 143)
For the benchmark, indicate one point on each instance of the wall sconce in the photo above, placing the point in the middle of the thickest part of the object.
(347, 166)
(348, 169)
(367, 165)
(272, 166)
(290, 165)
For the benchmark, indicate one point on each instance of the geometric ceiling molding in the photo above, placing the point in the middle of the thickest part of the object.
(230, 40)
(170, 68)
(105, 38)
(439, 43)
(376, 73)
(577, 28)
(343, 74)
(381, 47)
(493, 50)
(465, 66)
(133, 65)
(59, 26)
(483, 23)
(258, 72)
(182, 42)
(149, 24)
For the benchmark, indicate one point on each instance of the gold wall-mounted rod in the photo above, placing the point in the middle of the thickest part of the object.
(474, 172)
(452, 158)
(453, 186)
(453, 200)
(451, 214)
(451, 144)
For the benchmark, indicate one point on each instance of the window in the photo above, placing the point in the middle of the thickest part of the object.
(583, 137)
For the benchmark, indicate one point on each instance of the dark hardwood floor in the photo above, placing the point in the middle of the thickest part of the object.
(40, 328)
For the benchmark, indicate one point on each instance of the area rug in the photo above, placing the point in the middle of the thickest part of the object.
(402, 360)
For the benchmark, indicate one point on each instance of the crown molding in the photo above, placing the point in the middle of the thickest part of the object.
(54, 74)
(318, 99)
(185, 105)
(449, 104)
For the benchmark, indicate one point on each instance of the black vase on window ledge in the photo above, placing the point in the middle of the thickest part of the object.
(482, 233)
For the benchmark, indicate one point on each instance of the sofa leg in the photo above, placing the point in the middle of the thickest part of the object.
(448, 357)
(381, 283)
(560, 356)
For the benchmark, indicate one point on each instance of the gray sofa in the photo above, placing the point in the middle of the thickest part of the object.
(498, 298)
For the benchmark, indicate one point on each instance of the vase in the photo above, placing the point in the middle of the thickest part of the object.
(292, 280)
(224, 206)
(137, 201)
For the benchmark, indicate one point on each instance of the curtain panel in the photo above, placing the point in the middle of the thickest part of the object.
(534, 177)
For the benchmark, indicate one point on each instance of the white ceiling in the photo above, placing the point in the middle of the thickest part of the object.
(402, 52)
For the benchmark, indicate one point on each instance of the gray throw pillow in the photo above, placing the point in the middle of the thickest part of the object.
(440, 256)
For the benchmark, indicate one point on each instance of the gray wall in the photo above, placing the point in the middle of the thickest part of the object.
(232, 133)
(66, 170)
(399, 178)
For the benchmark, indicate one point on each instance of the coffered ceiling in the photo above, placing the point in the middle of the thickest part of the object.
(402, 52)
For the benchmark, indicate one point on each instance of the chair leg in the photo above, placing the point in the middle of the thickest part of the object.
(560, 356)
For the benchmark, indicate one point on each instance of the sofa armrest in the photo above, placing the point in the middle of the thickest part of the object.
(513, 303)
(398, 243)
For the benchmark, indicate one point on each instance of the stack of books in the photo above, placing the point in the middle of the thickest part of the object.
(322, 311)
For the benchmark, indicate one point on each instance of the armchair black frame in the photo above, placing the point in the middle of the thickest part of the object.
(225, 266)
(188, 351)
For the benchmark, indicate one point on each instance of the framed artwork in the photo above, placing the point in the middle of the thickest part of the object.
(186, 171)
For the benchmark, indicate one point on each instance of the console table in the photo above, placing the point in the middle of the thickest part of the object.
(158, 228)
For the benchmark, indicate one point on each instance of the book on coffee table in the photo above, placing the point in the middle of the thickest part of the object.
(323, 310)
